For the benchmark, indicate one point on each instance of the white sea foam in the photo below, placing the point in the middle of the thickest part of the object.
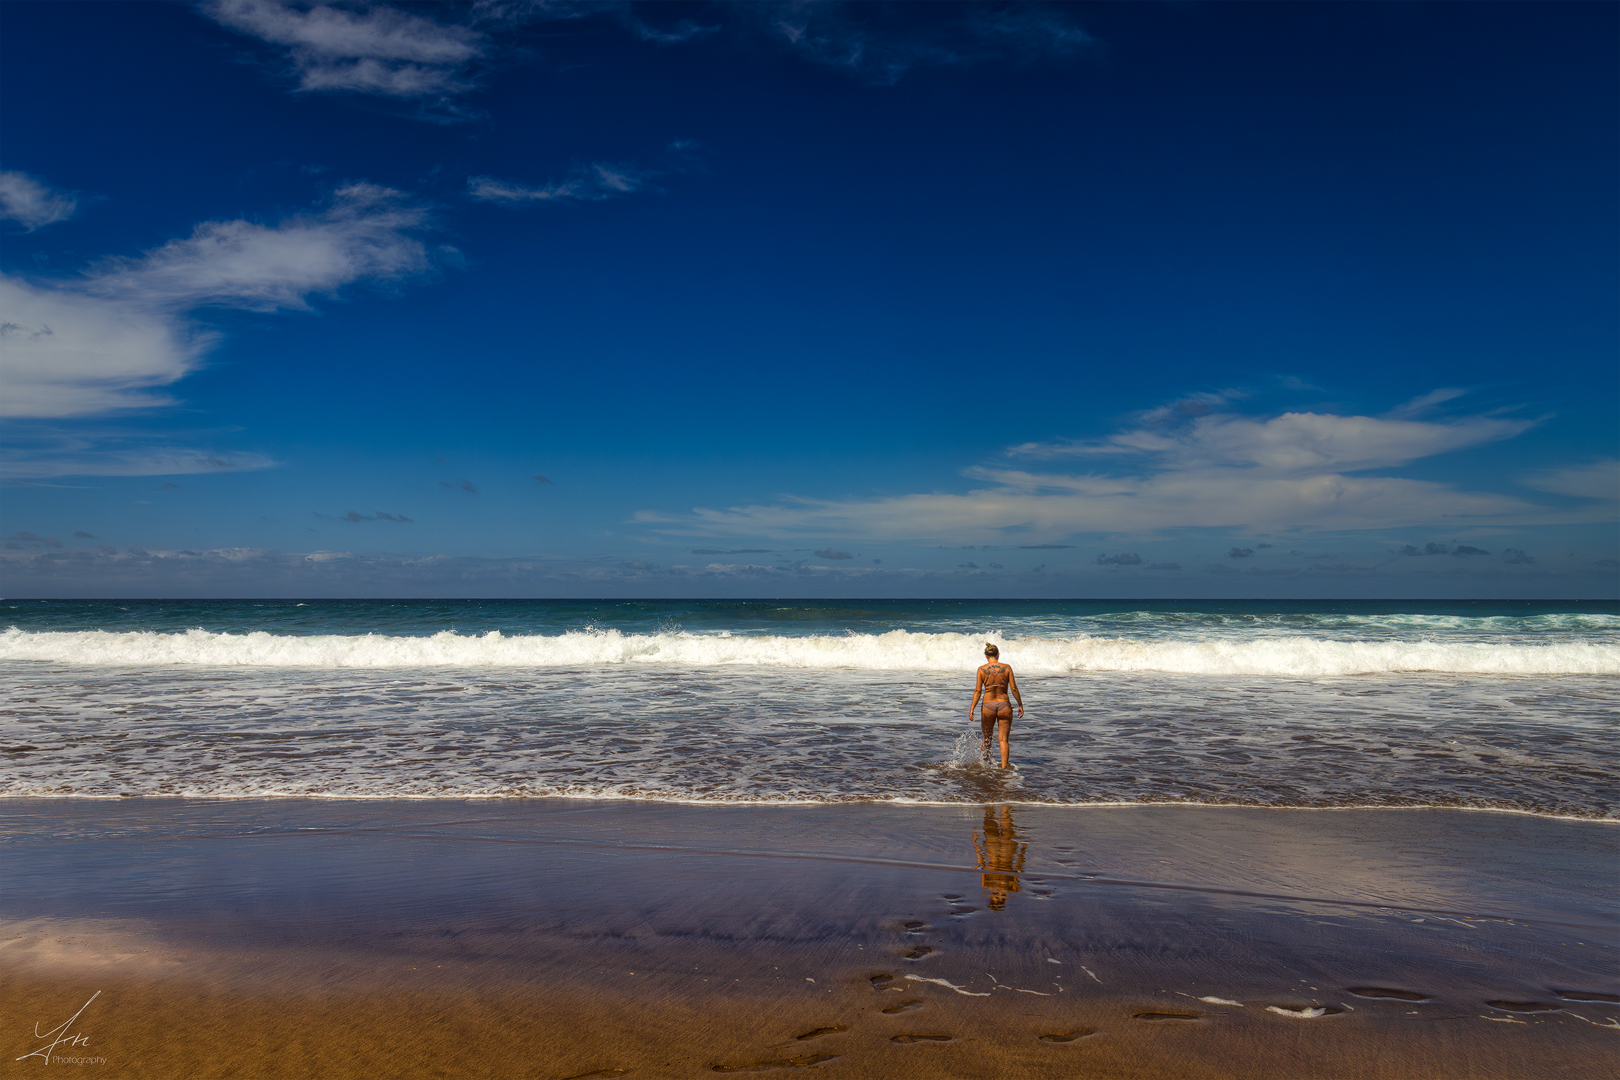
(794, 735)
(1339, 620)
(1300, 656)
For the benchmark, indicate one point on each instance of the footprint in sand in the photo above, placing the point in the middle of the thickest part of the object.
(1067, 1036)
(922, 1038)
(919, 952)
(905, 1006)
(599, 1074)
(1385, 992)
(881, 982)
(1588, 995)
(915, 927)
(1168, 1016)
(778, 1063)
(1524, 1006)
(819, 1032)
(1305, 1012)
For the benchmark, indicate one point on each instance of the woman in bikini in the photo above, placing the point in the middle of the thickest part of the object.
(995, 680)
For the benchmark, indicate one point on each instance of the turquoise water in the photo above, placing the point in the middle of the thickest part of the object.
(1505, 705)
(804, 617)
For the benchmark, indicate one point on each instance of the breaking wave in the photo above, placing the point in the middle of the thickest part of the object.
(897, 650)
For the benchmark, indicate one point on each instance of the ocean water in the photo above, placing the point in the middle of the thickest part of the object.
(1507, 705)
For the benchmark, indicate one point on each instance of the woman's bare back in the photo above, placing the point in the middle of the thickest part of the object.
(995, 681)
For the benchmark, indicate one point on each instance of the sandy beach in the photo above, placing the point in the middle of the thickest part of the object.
(559, 938)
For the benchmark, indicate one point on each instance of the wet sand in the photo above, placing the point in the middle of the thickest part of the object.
(556, 938)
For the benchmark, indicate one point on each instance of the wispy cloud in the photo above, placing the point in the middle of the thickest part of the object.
(880, 42)
(32, 540)
(404, 53)
(1216, 470)
(1425, 403)
(407, 54)
(31, 202)
(626, 14)
(354, 517)
(1432, 548)
(588, 183)
(104, 342)
(682, 31)
(365, 234)
(1292, 444)
(1596, 480)
(360, 49)
(27, 454)
(1135, 562)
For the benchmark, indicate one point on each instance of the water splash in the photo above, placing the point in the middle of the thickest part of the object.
(965, 753)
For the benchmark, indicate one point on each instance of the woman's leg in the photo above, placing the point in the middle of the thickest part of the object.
(1005, 735)
(992, 713)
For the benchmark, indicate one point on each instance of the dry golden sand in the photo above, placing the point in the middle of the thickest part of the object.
(564, 939)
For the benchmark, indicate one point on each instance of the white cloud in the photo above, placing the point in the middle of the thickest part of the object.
(373, 49)
(1425, 402)
(1052, 506)
(1291, 444)
(363, 235)
(590, 183)
(105, 342)
(1216, 471)
(68, 354)
(1598, 480)
(30, 203)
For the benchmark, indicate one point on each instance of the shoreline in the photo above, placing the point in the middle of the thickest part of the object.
(805, 804)
(564, 938)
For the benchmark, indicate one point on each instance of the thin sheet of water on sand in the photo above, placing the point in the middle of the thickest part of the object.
(556, 938)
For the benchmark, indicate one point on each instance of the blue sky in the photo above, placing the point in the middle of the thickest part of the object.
(809, 299)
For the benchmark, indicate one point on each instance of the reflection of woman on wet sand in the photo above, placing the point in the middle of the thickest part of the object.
(1001, 856)
(995, 679)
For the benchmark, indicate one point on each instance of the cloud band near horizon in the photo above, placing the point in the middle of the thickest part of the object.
(1289, 472)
